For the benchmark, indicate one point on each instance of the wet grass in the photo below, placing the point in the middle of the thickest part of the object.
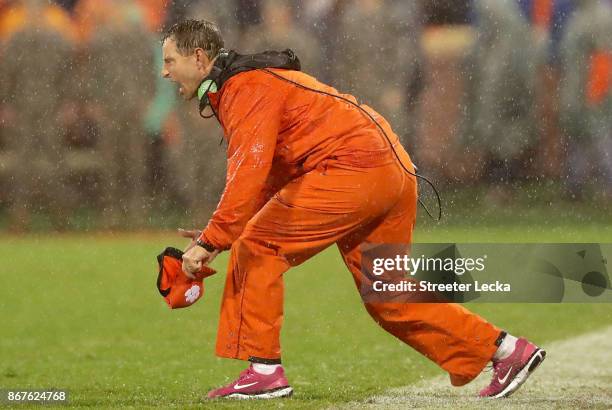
(81, 312)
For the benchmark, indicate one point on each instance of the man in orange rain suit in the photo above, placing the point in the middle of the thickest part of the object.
(307, 170)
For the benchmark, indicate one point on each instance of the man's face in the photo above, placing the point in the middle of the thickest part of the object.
(188, 71)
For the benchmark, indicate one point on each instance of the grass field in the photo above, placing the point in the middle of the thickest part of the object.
(81, 312)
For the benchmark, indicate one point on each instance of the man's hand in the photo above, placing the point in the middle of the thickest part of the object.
(194, 257)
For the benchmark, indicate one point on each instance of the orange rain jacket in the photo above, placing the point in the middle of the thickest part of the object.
(276, 132)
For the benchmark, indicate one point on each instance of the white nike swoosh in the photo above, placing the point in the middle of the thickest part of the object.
(244, 386)
(502, 381)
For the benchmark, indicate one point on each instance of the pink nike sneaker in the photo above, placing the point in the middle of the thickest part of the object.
(253, 385)
(510, 373)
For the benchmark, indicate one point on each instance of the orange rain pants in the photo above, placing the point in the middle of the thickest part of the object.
(299, 222)
(306, 171)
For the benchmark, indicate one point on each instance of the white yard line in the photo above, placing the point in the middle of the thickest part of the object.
(577, 373)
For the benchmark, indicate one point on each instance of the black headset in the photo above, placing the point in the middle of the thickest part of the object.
(230, 63)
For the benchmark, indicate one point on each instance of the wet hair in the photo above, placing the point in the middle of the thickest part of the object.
(192, 34)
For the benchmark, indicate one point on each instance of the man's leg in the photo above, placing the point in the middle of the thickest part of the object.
(459, 341)
(304, 218)
(252, 306)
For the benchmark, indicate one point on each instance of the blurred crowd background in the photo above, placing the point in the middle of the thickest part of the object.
(495, 93)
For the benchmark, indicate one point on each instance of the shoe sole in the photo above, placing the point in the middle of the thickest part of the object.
(534, 361)
(270, 394)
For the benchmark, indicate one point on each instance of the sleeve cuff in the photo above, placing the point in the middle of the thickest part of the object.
(208, 244)
(205, 245)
